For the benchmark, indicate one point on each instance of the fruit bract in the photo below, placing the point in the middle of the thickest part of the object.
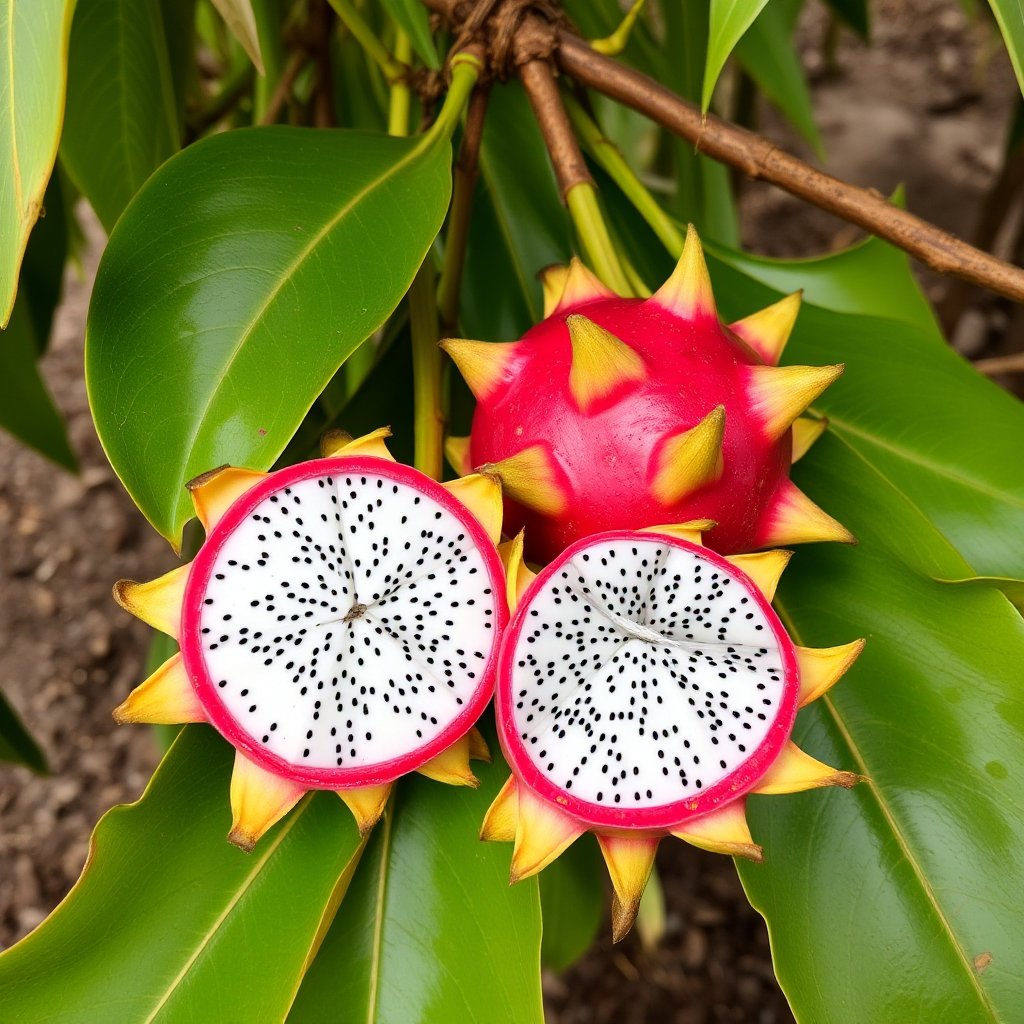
(339, 626)
(645, 687)
(618, 413)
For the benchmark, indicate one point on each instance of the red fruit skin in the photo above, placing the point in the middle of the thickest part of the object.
(665, 817)
(607, 458)
(206, 689)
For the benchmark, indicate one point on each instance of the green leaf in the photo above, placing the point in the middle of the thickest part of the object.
(572, 899)
(899, 900)
(169, 922)
(703, 188)
(729, 20)
(26, 409)
(768, 53)
(871, 278)
(1011, 24)
(236, 284)
(431, 929)
(121, 121)
(179, 18)
(1012, 588)
(238, 16)
(412, 18)
(16, 743)
(33, 56)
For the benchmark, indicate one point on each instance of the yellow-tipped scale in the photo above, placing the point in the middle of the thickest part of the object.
(484, 365)
(795, 771)
(517, 575)
(451, 766)
(165, 698)
(499, 824)
(688, 292)
(366, 805)
(690, 460)
(768, 330)
(338, 442)
(158, 602)
(779, 394)
(481, 494)
(456, 450)
(764, 568)
(553, 280)
(542, 833)
(805, 432)
(259, 800)
(722, 831)
(822, 667)
(581, 285)
(529, 477)
(795, 519)
(692, 532)
(600, 362)
(630, 861)
(215, 492)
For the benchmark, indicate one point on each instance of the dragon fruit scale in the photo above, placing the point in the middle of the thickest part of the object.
(339, 626)
(645, 687)
(620, 413)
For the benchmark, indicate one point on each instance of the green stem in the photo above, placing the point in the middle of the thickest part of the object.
(353, 20)
(593, 233)
(465, 72)
(607, 155)
(401, 94)
(426, 373)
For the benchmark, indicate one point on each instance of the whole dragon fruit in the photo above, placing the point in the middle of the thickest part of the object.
(645, 686)
(339, 626)
(618, 413)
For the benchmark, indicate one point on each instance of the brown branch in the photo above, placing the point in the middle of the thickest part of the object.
(760, 158)
(284, 86)
(992, 367)
(566, 156)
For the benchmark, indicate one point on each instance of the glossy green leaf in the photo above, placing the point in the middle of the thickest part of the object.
(703, 188)
(572, 900)
(16, 743)
(171, 923)
(1011, 23)
(33, 65)
(414, 20)
(430, 929)
(768, 53)
(871, 278)
(727, 24)
(121, 121)
(26, 408)
(239, 17)
(236, 284)
(899, 900)
(1012, 588)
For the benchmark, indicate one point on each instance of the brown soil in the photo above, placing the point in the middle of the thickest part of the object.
(926, 105)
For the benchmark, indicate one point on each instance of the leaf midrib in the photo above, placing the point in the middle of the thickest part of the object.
(425, 143)
(242, 889)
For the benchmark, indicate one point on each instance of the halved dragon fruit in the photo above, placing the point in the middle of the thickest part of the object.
(645, 687)
(620, 413)
(339, 626)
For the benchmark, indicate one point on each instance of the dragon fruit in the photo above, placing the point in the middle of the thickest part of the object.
(645, 686)
(339, 626)
(618, 413)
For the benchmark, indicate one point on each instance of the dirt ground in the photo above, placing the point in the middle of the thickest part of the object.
(927, 105)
